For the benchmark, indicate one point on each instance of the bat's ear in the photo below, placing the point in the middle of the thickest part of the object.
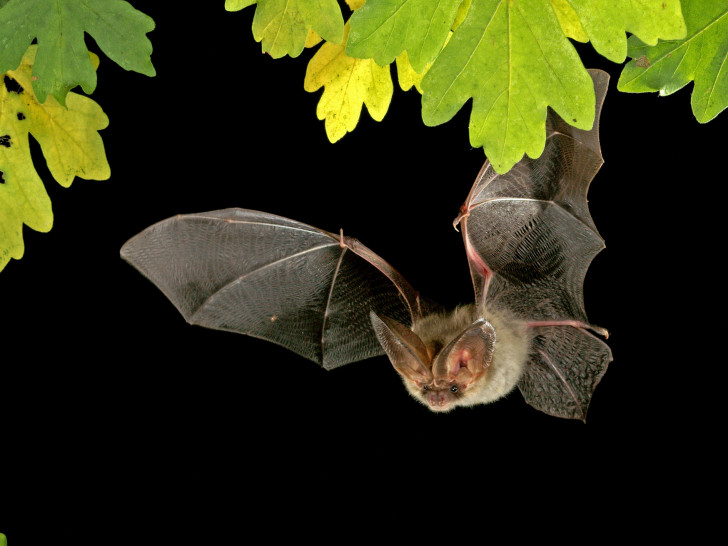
(404, 349)
(468, 356)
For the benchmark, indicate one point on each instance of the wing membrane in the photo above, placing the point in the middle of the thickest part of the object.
(274, 278)
(530, 239)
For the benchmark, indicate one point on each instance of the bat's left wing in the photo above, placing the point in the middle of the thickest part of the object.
(529, 239)
(274, 278)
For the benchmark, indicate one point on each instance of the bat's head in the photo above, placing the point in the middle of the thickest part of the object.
(441, 375)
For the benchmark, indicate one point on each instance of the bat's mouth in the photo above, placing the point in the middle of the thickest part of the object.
(439, 401)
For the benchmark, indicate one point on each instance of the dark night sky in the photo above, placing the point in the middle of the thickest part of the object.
(109, 398)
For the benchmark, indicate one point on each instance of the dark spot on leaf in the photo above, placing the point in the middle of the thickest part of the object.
(574, 120)
(643, 62)
(5, 141)
(2, 177)
(21, 116)
(11, 85)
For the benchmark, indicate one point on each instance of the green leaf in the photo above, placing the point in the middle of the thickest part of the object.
(606, 23)
(62, 61)
(512, 58)
(701, 57)
(3, 540)
(71, 145)
(382, 29)
(283, 25)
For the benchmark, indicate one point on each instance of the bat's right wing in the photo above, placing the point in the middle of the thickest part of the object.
(274, 278)
(529, 239)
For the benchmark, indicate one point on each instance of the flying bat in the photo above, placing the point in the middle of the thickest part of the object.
(529, 240)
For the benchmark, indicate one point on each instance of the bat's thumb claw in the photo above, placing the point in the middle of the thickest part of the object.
(464, 213)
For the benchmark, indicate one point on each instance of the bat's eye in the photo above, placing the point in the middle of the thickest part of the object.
(425, 388)
(454, 388)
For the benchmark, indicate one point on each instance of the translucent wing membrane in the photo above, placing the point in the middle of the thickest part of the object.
(537, 254)
(530, 239)
(274, 278)
(565, 367)
(529, 230)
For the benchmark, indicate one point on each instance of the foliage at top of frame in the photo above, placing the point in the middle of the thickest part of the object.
(512, 59)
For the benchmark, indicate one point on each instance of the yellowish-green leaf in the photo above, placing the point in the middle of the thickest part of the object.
(406, 75)
(569, 20)
(348, 84)
(70, 143)
(512, 59)
(355, 4)
(282, 26)
(382, 29)
(702, 57)
(237, 5)
(606, 23)
(312, 39)
(94, 60)
(462, 12)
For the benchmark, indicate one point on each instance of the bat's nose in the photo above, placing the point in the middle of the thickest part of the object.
(437, 399)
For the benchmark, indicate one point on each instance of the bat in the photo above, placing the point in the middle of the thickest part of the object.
(529, 239)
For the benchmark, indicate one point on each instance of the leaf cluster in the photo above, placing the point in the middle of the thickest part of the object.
(43, 56)
(511, 59)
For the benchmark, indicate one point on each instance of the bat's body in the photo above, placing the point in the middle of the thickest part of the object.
(529, 240)
(510, 355)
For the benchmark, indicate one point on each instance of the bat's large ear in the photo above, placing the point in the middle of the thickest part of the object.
(404, 349)
(468, 356)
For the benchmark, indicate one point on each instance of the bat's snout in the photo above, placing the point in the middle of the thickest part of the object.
(439, 400)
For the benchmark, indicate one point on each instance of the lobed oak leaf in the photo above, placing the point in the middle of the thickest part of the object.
(348, 85)
(606, 23)
(282, 26)
(702, 57)
(382, 29)
(512, 59)
(62, 61)
(69, 139)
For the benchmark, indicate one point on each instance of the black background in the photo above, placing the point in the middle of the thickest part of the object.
(119, 417)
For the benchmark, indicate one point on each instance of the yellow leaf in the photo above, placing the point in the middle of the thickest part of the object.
(348, 84)
(312, 39)
(71, 145)
(406, 75)
(569, 21)
(354, 5)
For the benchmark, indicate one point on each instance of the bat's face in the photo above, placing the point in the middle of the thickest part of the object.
(440, 375)
(443, 398)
